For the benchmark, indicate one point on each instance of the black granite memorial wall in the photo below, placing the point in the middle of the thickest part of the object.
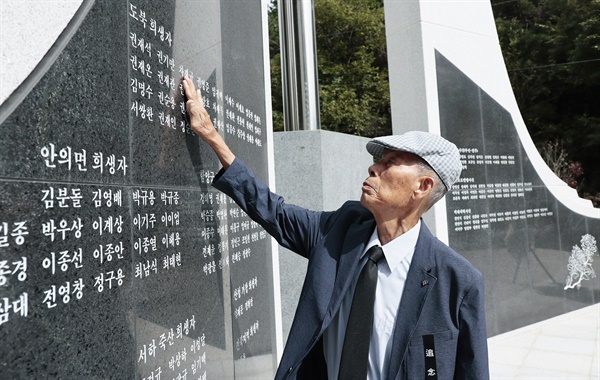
(117, 258)
(504, 220)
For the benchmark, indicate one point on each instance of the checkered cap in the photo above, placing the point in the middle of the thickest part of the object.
(442, 155)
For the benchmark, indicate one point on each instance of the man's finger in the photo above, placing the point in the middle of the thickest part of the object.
(188, 87)
(189, 104)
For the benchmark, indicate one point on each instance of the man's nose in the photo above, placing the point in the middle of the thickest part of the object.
(373, 170)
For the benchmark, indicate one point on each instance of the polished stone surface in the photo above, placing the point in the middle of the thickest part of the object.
(117, 258)
(502, 217)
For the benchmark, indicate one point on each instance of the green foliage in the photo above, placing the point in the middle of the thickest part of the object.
(352, 67)
(552, 53)
(274, 50)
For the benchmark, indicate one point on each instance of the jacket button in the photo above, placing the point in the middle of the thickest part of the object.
(290, 370)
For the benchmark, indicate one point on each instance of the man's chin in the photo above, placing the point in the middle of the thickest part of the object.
(365, 201)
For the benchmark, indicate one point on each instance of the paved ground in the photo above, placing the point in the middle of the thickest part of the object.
(564, 347)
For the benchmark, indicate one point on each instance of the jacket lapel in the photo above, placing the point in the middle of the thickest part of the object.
(419, 283)
(354, 245)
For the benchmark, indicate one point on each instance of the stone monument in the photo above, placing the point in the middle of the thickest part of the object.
(117, 258)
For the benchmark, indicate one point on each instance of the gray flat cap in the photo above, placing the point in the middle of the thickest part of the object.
(442, 155)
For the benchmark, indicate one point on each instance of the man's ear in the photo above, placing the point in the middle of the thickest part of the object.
(426, 184)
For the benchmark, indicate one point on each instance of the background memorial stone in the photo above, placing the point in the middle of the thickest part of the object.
(523, 251)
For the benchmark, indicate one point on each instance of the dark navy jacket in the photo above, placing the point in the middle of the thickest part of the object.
(443, 294)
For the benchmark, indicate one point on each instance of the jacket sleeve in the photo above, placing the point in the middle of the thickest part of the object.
(294, 227)
(472, 350)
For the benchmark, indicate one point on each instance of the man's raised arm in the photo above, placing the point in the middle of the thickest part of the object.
(202, 125)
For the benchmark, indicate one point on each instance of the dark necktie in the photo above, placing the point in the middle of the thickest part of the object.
(355, 352)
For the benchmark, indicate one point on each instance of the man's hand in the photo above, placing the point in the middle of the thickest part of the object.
(199, 118)
(202, 125)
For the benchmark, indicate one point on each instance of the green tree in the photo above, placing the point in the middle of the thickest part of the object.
(352, 67)
(275, 55)
(552, 53)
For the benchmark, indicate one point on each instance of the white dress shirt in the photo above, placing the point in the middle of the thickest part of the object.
(390, 284)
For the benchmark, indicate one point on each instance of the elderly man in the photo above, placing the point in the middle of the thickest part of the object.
(382, 298)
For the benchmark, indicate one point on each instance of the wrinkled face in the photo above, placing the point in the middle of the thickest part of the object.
(393, 180)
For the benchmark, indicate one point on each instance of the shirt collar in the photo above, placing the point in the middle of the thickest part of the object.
(398, 249)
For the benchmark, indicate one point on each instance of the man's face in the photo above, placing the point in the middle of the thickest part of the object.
(391, 185)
